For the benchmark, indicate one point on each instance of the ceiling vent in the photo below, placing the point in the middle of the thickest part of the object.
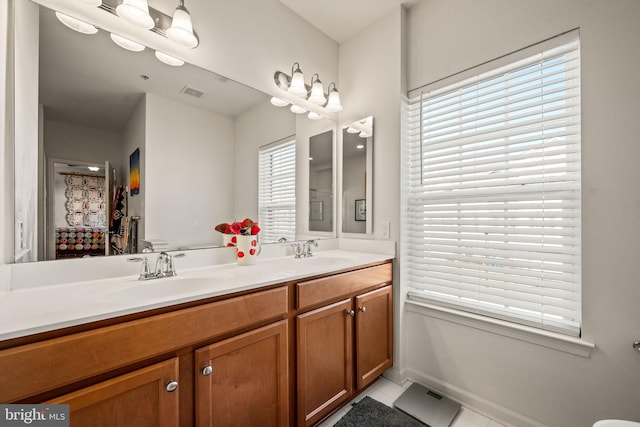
(188, 90)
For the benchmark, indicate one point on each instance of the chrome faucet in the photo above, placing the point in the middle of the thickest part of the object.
(307, 247)
(165, 267)
(303, 249)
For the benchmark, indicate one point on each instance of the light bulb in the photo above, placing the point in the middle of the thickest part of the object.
(297, 86)
(125, 43)
(297, 109)
(317, 93)
(333, 104)
(168, 59)
(181, 30)
(136, 12)
(92, 2)
(279, 102)
(76, 24)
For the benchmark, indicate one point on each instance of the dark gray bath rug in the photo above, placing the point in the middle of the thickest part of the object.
(371, 413)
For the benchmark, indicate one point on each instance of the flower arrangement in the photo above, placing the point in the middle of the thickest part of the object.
(246, 227)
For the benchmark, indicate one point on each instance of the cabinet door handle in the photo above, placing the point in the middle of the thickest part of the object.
(362, 309)
(207, 370)
(351, 313)
(172, 386)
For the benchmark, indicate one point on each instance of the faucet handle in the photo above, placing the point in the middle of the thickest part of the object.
(298, 249)
(145, 270)
(170, 268)
(307, 247)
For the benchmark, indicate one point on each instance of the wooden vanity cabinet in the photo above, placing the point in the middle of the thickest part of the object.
(143, 398)
(344, 344)
(243, 381)
(141, 372)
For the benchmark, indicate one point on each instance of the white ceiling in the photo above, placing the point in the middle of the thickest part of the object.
(340, 19)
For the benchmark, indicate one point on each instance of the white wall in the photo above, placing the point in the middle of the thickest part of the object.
(260, 125)
(539, 384)
(72, 142)
(197, 146)
(134, 135)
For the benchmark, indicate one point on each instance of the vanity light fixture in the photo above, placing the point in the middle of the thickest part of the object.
(95, 3)
(181, 30)
(136, 12)
(125, 43)
(76, 24)
(93, 168)
(168, 59)
(314, 94)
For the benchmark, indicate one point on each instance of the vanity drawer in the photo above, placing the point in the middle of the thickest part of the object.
(36, 368)
(326, 289)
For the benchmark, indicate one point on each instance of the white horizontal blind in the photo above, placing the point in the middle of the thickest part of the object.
(492, 192)
(277, 191)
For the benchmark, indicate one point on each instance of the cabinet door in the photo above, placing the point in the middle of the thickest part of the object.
(374, 335)
(325, 360)
(244, 381)
(137, 399)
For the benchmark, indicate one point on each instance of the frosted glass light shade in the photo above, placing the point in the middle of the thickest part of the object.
(125, 43)
(314, 116)
(279, 102)
(168, 59)
(92, 2)
(297, 86)
(136, 12)
(297, 109)
(76, 24)
(333, 104)
(317, 93)
(181, 30)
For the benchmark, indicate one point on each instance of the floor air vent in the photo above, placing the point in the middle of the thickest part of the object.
(427, 406)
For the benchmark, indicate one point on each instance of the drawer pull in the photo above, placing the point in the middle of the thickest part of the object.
(207, 370)
(363, 309)
(351, 313)
(172, 386)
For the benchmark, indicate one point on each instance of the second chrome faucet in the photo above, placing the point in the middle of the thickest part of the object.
(164, 267)
(303, 249)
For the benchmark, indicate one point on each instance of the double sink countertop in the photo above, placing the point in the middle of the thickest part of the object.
(39, 309)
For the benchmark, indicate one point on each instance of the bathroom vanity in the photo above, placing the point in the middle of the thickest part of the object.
(287, 347)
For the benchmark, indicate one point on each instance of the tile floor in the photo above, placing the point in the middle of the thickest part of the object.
(387, 392)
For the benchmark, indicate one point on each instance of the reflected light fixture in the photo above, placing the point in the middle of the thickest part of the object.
(125, 43)
(279, 102)
(294, 85)
(181, 30)
(168, 59)
(76, 24)
(93, 168)
(297, 109)
(136, 12)
(95, 3)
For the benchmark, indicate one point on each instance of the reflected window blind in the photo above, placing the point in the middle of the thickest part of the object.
(492, 190)
(277, 191)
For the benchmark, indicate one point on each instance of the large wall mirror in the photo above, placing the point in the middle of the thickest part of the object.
(179, 144)
(357, 176)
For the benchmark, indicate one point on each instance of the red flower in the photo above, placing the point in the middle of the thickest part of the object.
(246, 227)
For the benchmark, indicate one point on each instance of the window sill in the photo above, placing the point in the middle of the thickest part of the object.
(567, 344)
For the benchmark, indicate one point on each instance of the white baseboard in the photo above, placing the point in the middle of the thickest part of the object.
(472, 401)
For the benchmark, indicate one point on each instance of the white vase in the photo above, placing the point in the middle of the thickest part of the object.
(229, 239)
(247, 249)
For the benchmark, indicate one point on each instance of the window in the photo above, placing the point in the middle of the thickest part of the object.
(492, 189)
(277, 190)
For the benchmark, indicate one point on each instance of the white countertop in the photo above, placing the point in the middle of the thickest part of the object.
(28, 311)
